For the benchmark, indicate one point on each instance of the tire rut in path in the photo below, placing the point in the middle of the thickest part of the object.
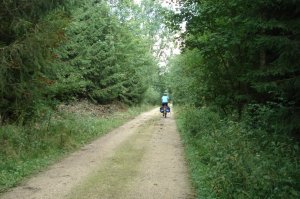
(163, 172)
(141, 159)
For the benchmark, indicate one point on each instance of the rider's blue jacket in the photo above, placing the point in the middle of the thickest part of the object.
(165, 99)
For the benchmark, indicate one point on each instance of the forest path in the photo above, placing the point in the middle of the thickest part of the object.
(142, 159)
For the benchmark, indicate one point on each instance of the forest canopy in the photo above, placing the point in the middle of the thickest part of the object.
(55, 51)
(247, 56)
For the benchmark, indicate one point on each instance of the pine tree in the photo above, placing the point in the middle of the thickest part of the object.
(28, 32)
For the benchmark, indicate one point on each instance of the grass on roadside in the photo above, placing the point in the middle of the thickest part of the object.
(25, 150)
(230, 160)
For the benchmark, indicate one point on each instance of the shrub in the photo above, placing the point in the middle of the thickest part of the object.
(197, 121)
(229, 160)
(151, 96)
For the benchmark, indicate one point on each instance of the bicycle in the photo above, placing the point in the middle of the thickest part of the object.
(164, 110)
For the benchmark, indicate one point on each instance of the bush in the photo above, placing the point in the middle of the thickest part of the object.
(196, 122)
(272, 117)
(229, 160)
(151, 96)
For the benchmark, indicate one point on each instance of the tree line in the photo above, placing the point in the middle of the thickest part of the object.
(237, 84)
(57, 51)
(241, 56)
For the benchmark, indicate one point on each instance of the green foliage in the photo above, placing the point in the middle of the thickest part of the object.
(99, 60)
(231, 160)
(152, 96)
(239, 59)
(30, 30)
(248, 54)
(20, 18)
(185, 78)
(55, 50)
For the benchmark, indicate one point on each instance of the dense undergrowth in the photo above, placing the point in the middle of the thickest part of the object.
(28, 149)
(233, 160)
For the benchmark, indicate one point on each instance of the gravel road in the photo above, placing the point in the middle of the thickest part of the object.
(143, 159)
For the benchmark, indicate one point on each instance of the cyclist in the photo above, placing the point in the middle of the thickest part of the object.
(165, 100)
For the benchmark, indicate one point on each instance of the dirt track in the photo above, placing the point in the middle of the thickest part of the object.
(141, 159)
